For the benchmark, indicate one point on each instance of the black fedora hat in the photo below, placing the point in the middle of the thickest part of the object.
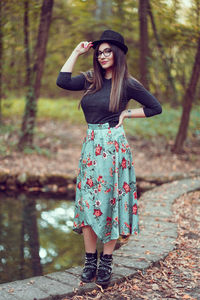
(112, 37)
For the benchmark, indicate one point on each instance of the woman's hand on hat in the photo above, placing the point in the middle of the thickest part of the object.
(83, 47)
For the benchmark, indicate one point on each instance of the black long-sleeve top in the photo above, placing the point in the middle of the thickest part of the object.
(96, 106)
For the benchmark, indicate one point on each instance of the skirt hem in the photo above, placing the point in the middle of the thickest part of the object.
(79, 231)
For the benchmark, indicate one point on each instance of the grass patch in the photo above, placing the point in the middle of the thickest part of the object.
(164, 125)
(56, 109)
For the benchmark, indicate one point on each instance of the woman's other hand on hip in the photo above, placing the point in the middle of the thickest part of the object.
(121, 118)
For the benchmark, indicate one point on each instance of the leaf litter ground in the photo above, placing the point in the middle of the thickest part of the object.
(178, 275)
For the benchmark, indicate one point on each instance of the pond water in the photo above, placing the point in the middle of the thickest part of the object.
(36, 237)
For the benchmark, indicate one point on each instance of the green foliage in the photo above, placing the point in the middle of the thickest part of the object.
(74, 21)
(6, 143)
(3, 149)
(164, 125)
(37, 150)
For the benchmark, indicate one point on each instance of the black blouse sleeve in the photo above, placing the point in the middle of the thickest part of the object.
(67, 82)
(151, 105)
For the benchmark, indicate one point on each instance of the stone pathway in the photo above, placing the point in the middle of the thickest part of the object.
(156, 239)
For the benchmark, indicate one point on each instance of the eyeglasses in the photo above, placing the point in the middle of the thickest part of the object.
(106, 52)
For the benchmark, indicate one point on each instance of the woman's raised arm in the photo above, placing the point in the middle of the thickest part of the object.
(81, 48)
(64, 79)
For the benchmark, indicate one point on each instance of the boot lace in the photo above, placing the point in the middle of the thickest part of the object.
(90, 263)
(105, 266)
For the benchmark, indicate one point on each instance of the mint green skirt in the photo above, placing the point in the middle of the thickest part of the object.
(106, 196)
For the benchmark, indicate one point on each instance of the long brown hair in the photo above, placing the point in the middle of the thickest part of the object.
(120, 78)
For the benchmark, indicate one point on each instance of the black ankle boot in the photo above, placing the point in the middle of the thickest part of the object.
(89, 271)
(104, 270)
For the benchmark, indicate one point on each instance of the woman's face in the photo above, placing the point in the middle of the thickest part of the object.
(105, 58)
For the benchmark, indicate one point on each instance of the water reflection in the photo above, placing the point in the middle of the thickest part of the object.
(36, 237)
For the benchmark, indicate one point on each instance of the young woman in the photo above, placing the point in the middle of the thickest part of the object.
(106, 196)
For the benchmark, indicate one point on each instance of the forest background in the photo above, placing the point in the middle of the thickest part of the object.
(41, 126)
(36, 38)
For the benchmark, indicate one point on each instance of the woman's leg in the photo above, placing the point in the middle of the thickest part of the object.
(90, 239)
(105, 266)
(109, 247)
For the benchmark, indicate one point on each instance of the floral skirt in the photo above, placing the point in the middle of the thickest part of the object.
(106, 196)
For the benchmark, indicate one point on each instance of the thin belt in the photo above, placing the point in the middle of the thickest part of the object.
(102, 125)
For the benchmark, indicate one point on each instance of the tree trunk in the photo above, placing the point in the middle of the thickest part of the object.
(30, 223)
(163, 56)
(26, 43)
(187, 104)
(144, 49)
(197, 4)
(103, 10)
(32, 96)
(120, 8)
(21, 258)
(1, 60)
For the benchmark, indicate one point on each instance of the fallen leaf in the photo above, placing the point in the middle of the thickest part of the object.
(186, 297)
(135, 287)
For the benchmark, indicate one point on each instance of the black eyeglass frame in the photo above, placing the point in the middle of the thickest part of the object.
(105, 52)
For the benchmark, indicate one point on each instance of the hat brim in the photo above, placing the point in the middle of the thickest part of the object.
(120, 45)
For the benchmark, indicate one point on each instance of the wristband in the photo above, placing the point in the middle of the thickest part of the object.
(129, 112)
